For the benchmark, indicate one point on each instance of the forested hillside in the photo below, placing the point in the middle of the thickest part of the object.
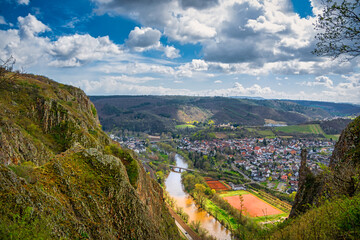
(156, 114)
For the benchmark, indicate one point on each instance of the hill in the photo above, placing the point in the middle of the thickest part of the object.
(61, 177)
(156, 114)
(335, 109)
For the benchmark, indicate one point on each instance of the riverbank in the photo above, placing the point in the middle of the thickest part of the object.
(187, 229)
(183, 200)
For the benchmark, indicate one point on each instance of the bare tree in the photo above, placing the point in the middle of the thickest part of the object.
(6, 67)
(339, 29)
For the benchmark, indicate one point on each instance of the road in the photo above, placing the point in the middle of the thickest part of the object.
(239, 171)
(188, 230)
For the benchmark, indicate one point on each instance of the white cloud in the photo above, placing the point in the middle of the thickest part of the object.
(218, 81)
(128, 79)
(116, 86)
(23, 2)
(266, 36)
(325, 81)
(113, 86)
(29, 49)
(187, 69)
(135, 67)
(142, 39)
(30, 26)
(320, 81)
(2, 21)
(171, 52)
(24, 44)
(188, 30)
(75, 50)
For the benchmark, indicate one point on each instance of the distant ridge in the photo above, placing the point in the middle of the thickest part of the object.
(156, 114)
(247, 97)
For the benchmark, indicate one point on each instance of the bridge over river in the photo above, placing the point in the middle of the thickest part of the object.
(179, 169)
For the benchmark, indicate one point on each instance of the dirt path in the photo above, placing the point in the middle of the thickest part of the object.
(189, 231)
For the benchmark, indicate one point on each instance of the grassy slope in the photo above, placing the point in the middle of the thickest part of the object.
(182, 126)
(306, 129)
(336, 219)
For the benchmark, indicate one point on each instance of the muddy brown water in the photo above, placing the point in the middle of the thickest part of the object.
(184, 200)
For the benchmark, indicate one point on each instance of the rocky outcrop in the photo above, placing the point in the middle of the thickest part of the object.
(60, 174)
(41, 118)
(341, 178)
(310, 188)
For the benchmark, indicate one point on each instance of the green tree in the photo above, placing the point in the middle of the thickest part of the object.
(200, 193)
(160, 176)
(241, 199)
(339, 29)
(292, 195)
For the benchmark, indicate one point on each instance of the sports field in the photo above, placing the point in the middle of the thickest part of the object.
(217, 185)
(252, 205)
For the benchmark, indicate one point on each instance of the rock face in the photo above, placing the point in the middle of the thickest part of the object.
(340, 178)
(60, 175)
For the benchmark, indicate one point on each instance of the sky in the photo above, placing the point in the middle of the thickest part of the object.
(254, 48)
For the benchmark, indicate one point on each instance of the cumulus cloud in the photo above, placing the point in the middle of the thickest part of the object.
(145, 38)
(171, 52)
(75, 50)
(29, 26)
(28, 48)
(178, 23)
(257, 33)
(24, 44)
(187, 69)
(324, 80)
(142, 39)
(189, 30)
(320, 81)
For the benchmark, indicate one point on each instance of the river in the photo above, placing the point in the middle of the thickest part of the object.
(184, 200)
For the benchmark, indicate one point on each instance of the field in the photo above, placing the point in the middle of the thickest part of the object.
(217, 185)
(184, 126)
(252, 205)
(309, 128)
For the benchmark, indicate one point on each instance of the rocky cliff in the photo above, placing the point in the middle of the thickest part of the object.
(62, 177)
(341, 178)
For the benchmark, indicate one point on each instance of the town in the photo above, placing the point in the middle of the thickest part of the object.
(272, 162)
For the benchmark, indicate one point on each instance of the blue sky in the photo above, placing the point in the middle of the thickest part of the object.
(177, 47)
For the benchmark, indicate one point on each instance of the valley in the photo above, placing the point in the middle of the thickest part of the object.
(252, 170)
(235, 180)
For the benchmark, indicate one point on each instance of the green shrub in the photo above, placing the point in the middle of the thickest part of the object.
(335, 219)
(93, 110)
(62, 134)
(26, 171)
(131, 165)
(24, 226)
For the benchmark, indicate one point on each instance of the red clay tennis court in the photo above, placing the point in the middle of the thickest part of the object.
(217, 185)
(254, 206)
